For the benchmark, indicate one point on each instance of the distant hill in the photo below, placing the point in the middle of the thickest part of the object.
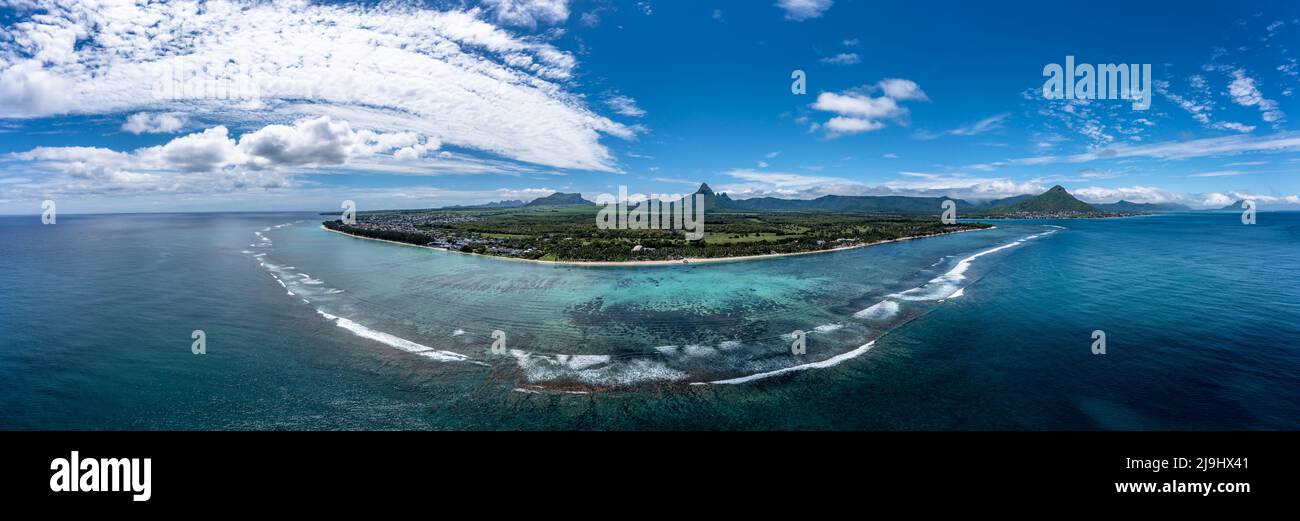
(495, 204)
(1128, 206)
(1236, 206)
(1008, 200)
(558, 199)
(1056, 200)
(894, 204)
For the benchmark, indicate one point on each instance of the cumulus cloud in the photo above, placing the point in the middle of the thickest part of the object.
(901, 89)
(452, 75)
(800, 10)
(154, 123)
(214, 161)
(857, 111)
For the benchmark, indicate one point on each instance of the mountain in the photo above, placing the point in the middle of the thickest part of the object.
(1127, 206)
(558, 199)
(1053, 201)
(513, 203)
(1236, 206)
(715, 202)
(1008, 200)
(851, 204)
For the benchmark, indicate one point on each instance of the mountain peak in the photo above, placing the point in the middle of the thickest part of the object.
(704, 189)
(1056, 200)
(559, 198)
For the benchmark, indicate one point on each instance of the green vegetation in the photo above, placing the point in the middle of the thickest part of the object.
(1056, 203)
(569, 233)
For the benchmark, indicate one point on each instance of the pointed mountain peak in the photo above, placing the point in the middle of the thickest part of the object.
(1057, 188)
(704, 189)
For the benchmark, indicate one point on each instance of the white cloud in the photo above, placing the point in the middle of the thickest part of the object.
(1245, 93)
(1134, 194)
(844, 58)
(154, 123)
(858, 105)
(624, 105)
(857, 111)
(981, 126)
(1178, 150)
(800, 10)
(529, 13)
(1232, 125)
(452, 74)
(798, 186)
(1219, 173)
(901, 89)
(975, 129)
(213, 161)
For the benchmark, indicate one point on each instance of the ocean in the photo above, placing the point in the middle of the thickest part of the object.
(308, 329)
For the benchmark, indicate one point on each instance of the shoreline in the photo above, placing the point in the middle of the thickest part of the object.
(678, 262)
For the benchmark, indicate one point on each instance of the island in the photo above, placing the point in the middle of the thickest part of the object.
(562, 227)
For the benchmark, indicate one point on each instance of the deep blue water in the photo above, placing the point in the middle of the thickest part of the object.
(308, 329)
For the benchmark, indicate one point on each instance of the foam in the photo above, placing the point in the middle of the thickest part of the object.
(592, 369)
(829, 362)
(947, 285)
(881, 310)
(828, 328)
(396, 341)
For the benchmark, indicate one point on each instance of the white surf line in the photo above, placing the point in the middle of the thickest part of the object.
(829, 362)
(398, 342)
(358, 329)
(960, 270)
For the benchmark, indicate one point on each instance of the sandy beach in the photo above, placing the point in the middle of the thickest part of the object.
(678, 262)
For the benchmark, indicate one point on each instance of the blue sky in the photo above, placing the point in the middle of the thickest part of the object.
(428, 104)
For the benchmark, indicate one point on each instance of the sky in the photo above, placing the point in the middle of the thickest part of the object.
(123, 106)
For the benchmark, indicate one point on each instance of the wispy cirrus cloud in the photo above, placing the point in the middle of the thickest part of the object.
(449, 75)
(979, 127)
(844, 58)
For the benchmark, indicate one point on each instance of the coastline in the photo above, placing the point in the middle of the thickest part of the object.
(678, 262)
